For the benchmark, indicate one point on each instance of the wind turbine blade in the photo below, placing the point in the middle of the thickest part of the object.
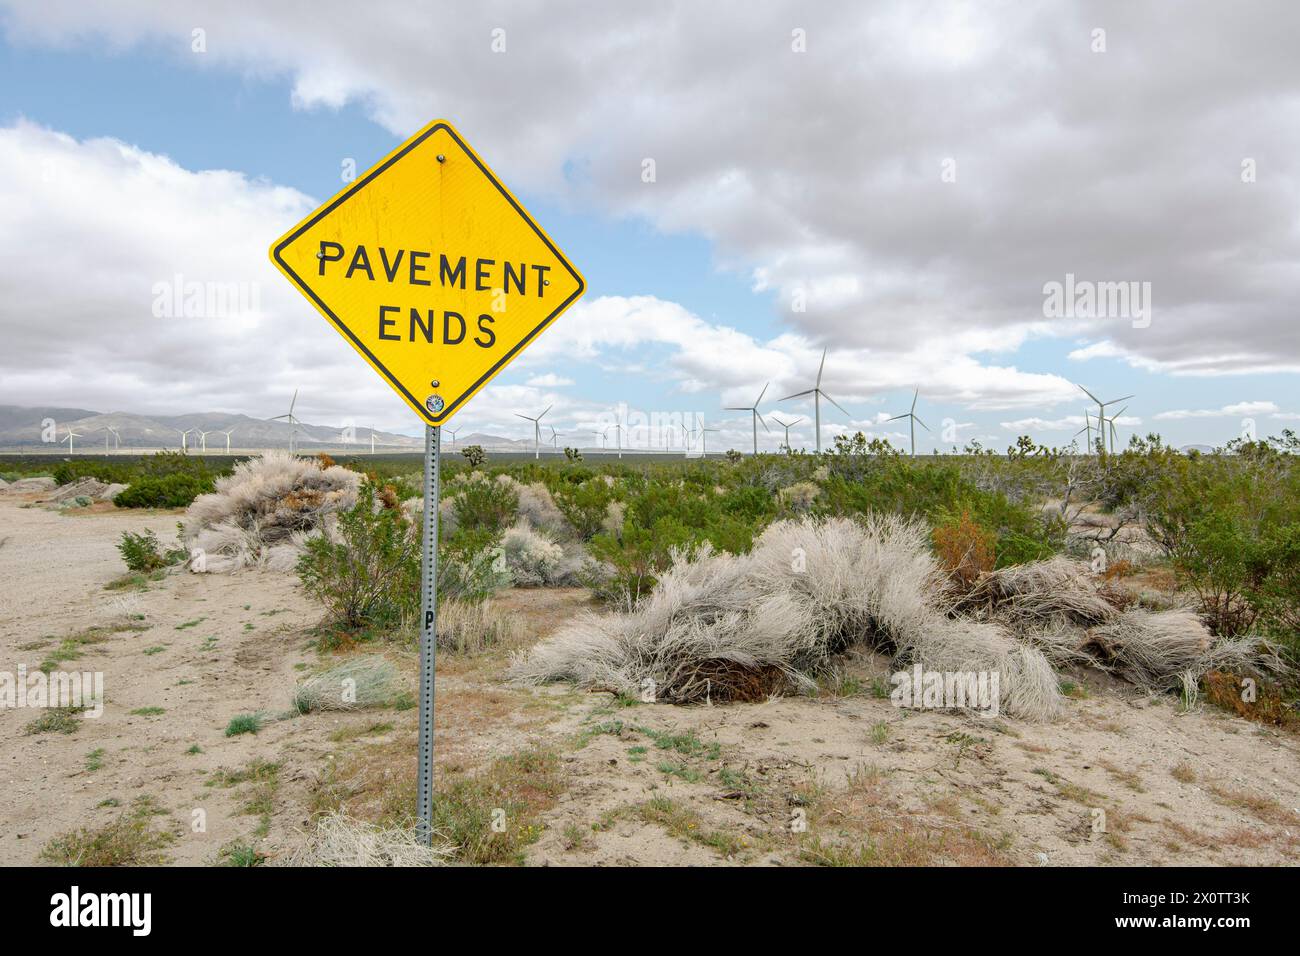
(836, 404)
(294, 402)
(1124, 399)
(524, 417)
(760, 418)
(921, 423)
(797, 395)
(895, 418)
(760, 395)
(820, 368)
(1090, 395)
(914, 395)
(543, 414)
(734, 408)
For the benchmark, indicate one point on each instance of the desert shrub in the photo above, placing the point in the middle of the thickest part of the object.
(159, 465)
(367, 570)
(175, 490)
(799, 497)
(66, 472)
(474, 455)
(355, 684)
(140, 551)
(341, 841)
(1231, 527)
(532, 558)
(727, 627)
(472, 628)
(538, 508)
(470, 575)
(965, 550)
(482, 504)
(939, 493)
(585, 506)
(261, 515)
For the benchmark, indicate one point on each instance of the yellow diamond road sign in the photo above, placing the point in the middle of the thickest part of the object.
(431, 269)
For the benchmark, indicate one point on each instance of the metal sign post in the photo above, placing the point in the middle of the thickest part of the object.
(429, 627)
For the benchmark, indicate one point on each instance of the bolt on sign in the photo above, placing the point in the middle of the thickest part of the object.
(432, 270)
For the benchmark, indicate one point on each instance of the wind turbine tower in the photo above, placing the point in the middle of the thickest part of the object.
(753, 410)
(292, 421)
(911, 415)
(1101, 413)
(817, 394)
(787, 426)
(537, 431)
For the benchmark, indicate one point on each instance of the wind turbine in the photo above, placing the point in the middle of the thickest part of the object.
(372, 439)
(787, 426)
(71, 435)
(227, 433)
(292, 421)
(1111, 423)
(537, 431)
(1101, 413)
(554, 436)
(618, 434)
(1087, 427)
(117, 439)
(911, 414)
(203, 439)
(817, 394)
(753, 409)
(185, 434)
(453, 432)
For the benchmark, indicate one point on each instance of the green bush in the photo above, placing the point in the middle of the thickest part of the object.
(1231, 526)
(175, 490)
(369, 574)
(584, 506)
(140, 551)
(484, 504)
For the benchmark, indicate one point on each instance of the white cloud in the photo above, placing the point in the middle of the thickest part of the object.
(1244, 409)
(820, 171)
(549, 380)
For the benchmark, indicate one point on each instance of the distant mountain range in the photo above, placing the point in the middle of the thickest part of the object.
(23, 428)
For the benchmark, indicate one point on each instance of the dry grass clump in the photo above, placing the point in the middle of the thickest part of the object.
(534, 559)
(260, 515)
(340, 840)
(1043, 593)
(1171, 650)
(357, 683)
(742, 627)
(472, 628)
(727, 627)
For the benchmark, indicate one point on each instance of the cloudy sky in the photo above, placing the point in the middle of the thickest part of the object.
(901, 183)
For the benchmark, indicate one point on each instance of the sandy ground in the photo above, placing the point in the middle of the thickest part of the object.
(1123, 779)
